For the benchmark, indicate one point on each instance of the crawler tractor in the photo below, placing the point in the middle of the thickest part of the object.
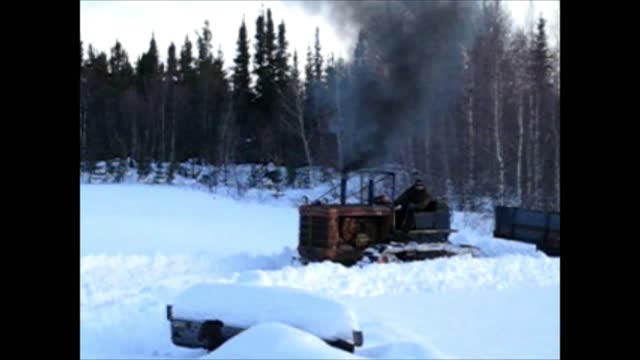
(412, 226)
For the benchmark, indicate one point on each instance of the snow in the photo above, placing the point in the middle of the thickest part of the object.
(139, 219)
(438, 275)
(277, 341)
(512, 323)
(144, 245)
(477, 229)
(244, 306)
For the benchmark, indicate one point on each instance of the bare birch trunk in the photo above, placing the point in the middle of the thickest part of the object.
(538, 166)
(496, 131)
(530, 146)
(520, 143)
(471, 168)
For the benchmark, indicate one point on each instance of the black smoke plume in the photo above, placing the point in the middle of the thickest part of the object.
(413, 72)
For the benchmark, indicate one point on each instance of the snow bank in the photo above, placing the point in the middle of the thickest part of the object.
(277, 341)
(245, 306)
(439, 275)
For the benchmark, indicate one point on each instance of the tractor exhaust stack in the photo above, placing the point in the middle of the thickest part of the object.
(343, 189)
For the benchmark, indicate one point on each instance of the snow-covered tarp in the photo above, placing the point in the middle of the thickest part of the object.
(246, 306)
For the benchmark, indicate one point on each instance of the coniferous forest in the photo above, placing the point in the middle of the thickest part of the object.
(452, 90)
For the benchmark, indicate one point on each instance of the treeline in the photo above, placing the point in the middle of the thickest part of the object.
(484, 122)
(191, 107)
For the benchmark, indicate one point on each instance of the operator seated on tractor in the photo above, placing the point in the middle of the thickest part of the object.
(415, 198)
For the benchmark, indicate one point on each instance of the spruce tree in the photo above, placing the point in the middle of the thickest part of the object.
(259, 58)
(271, 125)
(282, 60)
(187, 114)
(121, 76)
(204, 124)
(186, 62)
(149, 89)
(218, 100)
(265, 88)
(172, 61)
(281, 76)
(309, 89)
(242, 94)
(98, 88)
(172, 79)
(317, 58)
(270, 42)
(205, 57)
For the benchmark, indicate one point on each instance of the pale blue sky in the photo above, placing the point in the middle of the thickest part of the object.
(132, 22)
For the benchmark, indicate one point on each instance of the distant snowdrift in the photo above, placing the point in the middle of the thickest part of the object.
(193, 174)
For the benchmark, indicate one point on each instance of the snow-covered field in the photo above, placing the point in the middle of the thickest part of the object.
(142, 245)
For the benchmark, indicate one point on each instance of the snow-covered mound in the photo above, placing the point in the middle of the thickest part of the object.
(245, 306)
(272, 340)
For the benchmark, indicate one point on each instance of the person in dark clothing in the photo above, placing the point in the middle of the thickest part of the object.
(415, 198)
